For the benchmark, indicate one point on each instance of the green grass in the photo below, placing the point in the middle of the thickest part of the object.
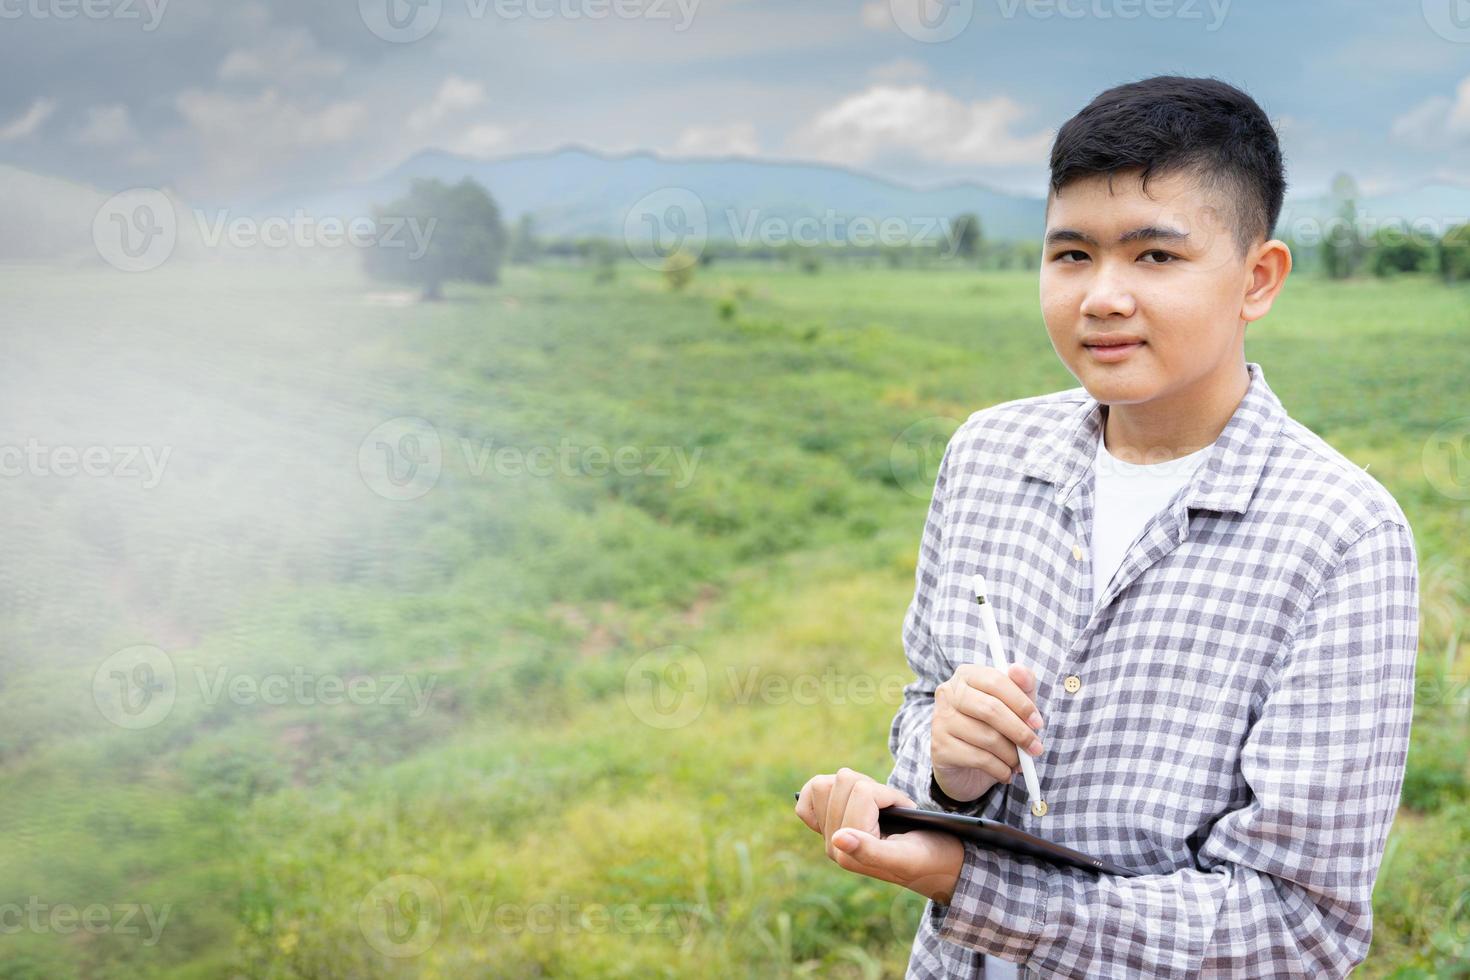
(548, 817)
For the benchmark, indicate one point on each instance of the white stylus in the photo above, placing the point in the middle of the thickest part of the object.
(999, 662)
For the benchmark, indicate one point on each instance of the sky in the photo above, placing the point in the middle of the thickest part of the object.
(239, 101)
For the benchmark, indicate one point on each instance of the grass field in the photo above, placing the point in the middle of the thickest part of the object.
(656, 584)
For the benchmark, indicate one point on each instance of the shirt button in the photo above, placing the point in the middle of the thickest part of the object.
(1073, 684)
(1077, 552)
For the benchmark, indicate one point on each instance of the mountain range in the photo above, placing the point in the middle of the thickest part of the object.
(574, 192)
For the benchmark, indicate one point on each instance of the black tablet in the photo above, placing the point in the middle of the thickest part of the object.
(992, 833)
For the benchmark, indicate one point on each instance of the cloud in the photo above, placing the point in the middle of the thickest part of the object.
(899, 70)
(734, 140)
(922, 122)
(30, 121)
(268, 118)
(481, 141)
(433, 123)
(876, 16)
(1456, 177)
(285, 57)
(1438, 122)
(455, 95)
(106, 125)
(241, 138)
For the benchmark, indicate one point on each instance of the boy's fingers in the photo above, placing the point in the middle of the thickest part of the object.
(1024, 678)
(842, 787)
(862, 810)
(807, 812)
(978, 749)
(1005, 710)
(873, 856)
(1000, 686)
(885, 795)
(813, 801)
(862, 847)
(1017, 698)
(867, 798)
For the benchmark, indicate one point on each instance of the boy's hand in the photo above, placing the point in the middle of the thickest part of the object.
(844, 807)
(980, 715)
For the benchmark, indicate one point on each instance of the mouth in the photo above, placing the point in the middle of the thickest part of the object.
(1112, 349)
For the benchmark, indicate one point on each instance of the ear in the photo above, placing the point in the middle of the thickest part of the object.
(1268, 265)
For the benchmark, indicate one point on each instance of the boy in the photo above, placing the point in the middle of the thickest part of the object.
(1217, 613)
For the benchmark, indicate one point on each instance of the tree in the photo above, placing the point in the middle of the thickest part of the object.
(438, 233)
(1342, 251)
(1397, 250)
(605, 262)
(1030, 255)
(1454, 254)
(965, 238)
(679, 269)
(523, 245)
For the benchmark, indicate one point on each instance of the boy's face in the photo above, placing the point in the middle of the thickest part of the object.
(1179, 297)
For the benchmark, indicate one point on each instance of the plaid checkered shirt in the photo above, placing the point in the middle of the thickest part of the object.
(1230, 716)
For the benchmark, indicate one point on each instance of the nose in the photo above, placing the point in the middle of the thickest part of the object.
(1108, 293)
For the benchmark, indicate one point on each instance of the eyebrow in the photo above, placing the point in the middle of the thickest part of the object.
(1146, 233)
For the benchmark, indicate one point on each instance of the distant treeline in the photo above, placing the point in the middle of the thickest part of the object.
(1352, 243)
(1007, 255)
(1387, 252)
(465, 239)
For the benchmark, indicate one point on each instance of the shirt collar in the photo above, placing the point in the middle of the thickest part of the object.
(1225, 481)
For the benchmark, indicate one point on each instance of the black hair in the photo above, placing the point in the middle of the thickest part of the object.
(1169, 124)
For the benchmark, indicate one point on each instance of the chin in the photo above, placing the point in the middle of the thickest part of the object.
(1112, 387)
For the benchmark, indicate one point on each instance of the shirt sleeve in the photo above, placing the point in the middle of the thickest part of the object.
(1283, 885)
(908, 738)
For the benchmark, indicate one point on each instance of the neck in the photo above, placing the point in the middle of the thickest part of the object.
(1178, 423)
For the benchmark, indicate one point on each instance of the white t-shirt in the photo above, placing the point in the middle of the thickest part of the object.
(1126, 496)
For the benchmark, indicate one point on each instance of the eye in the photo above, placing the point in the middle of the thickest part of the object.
(1062, 255)
(1165, 256)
